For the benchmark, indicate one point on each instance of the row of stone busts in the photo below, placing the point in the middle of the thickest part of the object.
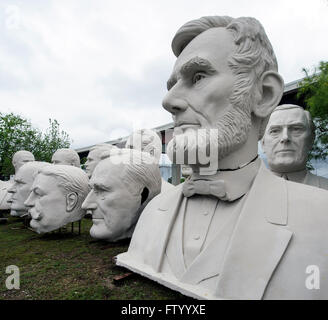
(122, 182)
(61, 156)
(50, 194)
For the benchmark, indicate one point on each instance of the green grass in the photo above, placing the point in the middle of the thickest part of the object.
(68, 266)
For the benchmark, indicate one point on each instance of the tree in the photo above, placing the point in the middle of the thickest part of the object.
(314, 90)
(17, 133)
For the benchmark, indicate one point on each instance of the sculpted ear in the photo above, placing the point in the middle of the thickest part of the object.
(272, 87)
(71, 201)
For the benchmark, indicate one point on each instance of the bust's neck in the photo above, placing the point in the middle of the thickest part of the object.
(239, 157)
(296, 176)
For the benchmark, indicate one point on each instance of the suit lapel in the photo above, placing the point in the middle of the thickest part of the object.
(258, 242)
(174, 250)
(165, 218)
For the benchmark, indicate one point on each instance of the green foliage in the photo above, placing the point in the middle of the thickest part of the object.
(17, 133)
(314, 90)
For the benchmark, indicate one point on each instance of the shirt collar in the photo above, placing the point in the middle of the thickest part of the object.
(237, 182)
(297, 176)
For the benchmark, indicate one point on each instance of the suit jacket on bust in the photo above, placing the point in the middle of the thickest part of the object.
(316, 181)
(281, 230)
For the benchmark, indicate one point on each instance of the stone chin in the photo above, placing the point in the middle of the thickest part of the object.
(287, 164)
(18, 212)
(99, 230)
(37, 227)
(16, 207)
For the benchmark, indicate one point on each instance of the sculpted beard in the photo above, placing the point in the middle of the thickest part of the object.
(231, 132)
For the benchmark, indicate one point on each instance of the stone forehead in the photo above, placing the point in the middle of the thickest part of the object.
(218, 40)
(287, 115)
(23, 154)
(106, 170)
(45, 181)
(34, 166)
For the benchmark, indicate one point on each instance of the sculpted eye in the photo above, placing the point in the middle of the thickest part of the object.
(298, 129)
(197, 77)
(37, 193)
(96, 190)
(274, 131)
(99, 191)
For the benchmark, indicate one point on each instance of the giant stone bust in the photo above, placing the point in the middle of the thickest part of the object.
(22, 185)
(121, 186)
(20, 158)
(94, 156)
(147, 140)
(56, 197)
(287, 141)
(66, 156)
(226, 232)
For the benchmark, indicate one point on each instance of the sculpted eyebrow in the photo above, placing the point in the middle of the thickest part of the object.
(297, 124)
(194, 64)
(37, 189)
(197, 63)
(100, 186)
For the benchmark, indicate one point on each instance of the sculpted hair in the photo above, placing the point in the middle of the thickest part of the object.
(101, 148)
(254, 54)
(70, 179)
(23, 153)
(307, 114)
(70, 155)
(140, 171)
(34, 166)
(150, 142)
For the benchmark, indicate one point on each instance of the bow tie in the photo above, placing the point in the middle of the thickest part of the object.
(215, 188)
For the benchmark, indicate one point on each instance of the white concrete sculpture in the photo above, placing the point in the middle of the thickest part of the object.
(233, 230)
(21, 157)
(288, 138)
(56, 197)
(4, 195)
(147, 140)
(67, 157)
(121, 185)
(21, 187)
(94, 156)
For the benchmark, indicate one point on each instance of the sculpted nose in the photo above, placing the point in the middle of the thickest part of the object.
(173, 102)
(12, 189)
(88, 203)
(284, 135)
(29, 201)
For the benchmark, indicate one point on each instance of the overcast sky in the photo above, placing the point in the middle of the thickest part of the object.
(100, 67)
